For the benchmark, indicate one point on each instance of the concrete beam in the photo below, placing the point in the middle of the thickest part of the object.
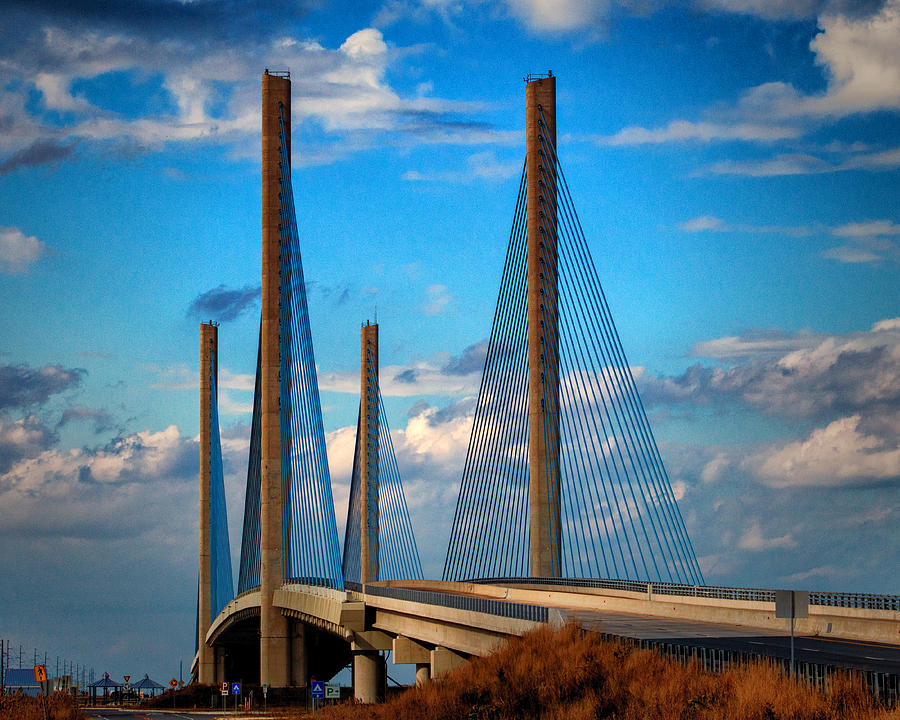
(410, 652)
(444, 660)
(353, 615)
(371, 640)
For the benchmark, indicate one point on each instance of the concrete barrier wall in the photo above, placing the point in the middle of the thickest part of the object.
(827, 621)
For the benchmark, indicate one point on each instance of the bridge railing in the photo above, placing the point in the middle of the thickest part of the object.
(516, 611)
(865, 601)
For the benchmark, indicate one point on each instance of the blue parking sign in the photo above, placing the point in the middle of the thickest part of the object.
(318, 689)
(235, 688)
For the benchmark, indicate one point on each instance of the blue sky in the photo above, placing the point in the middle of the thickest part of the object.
(735, 166)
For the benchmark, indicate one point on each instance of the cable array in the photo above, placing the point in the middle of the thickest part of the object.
(222, 583)
(248, 576)
(618, 515)
(311, 551)
(398, 556)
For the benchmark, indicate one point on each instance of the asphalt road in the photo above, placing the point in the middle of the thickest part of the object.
(139, 714)
(879, 657)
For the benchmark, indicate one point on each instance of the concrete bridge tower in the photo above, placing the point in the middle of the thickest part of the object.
(543, 339)
(274, 641)
(209, 345)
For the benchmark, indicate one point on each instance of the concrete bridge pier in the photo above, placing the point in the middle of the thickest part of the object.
(423, 674)
(369, 676)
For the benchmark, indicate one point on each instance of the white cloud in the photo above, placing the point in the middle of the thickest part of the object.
(851, 255)
(684, 131)
(704, 223)
(837, 454)
(752, 539)
(19, 251)
(860, 58)
(708, 223)
(122, 489)
(871, 228)
(214, 87)
(439, 300)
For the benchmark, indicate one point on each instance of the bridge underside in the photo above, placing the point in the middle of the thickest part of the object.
(315, 651)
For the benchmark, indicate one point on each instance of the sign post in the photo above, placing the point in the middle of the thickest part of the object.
(791, 604)
(235, 690)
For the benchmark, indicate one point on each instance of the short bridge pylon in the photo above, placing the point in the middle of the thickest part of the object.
(379, 543)
(563, 477)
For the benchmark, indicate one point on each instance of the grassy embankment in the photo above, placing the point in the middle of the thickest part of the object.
(60, 706)
(564, 675)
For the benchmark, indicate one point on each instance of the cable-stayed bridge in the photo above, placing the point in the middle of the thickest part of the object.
(565, 509)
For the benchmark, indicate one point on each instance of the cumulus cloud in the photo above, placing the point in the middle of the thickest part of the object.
(206, 59)
(22, 386)
(23, 438)
(823, 377)
(120, 489)
(858, 50)
(18, 251)
(841, 453)
(224, 304)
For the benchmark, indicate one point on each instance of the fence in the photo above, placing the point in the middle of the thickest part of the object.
(500, 608)
(866, 601)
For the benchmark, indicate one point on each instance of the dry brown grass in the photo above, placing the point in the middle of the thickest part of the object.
(556, 675)
(60, 706)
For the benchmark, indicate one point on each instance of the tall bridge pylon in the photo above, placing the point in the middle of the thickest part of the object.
(289, 532)
(216, 587)
(563, 476)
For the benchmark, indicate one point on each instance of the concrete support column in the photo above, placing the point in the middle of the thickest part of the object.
(299, 670)
(219, 676)
(274, 644)
(209, 342)
(368, 411)
(423, 674)
(369, 675)
(543, 359)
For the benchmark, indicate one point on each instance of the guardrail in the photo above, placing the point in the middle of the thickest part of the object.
(866, 601)
(884, 686)
(500, 608)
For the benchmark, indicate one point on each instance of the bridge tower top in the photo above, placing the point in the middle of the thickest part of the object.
(368, 419)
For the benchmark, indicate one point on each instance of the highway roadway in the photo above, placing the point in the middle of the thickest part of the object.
(140, 714)
(878, 657)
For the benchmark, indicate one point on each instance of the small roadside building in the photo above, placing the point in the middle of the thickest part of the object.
(21, 680)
